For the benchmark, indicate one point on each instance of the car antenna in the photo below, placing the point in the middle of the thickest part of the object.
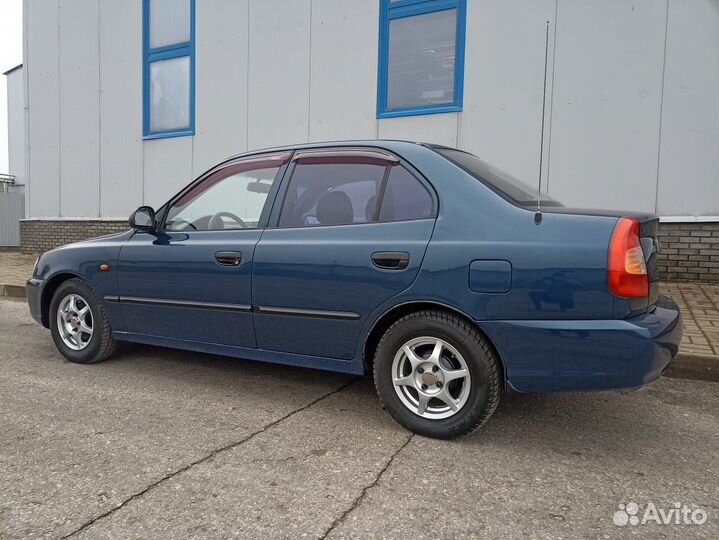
(538, 213)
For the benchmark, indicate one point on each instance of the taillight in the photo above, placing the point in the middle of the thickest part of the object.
(627, 271)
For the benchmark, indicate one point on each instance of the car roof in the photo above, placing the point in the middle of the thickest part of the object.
(379, 143)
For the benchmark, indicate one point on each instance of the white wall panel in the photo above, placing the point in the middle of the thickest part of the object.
(430, 128)
(607, 102)
(275, 72)
(503, 78)
(343, 76)
(16, 125)
(689, 159)
(168, 168)
(79, 108)
(41, 62)
(221, 81)
(121, 170)
(279, 72)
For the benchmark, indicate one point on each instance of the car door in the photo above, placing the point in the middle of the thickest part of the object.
(348, 231)
(192, 279)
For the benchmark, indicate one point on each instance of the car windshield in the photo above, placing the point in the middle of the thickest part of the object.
(500, 181)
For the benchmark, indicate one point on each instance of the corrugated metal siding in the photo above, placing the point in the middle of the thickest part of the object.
(632, 103)
(12, 210)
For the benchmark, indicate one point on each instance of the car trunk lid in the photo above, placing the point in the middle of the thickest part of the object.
(648, 237)
(648, 229)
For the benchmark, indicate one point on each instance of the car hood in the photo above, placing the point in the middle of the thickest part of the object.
(104, 239)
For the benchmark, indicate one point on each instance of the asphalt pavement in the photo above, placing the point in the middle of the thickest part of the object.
(157, 443)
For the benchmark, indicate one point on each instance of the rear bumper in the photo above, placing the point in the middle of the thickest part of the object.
(555, 356)
(34, 288)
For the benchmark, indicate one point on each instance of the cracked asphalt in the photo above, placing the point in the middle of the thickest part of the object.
(157, 443)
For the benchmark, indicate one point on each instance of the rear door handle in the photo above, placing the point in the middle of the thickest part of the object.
(228, 258)
(391, 260)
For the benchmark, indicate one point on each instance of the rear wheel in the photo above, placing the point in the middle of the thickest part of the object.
(436, 374)
(78, 324)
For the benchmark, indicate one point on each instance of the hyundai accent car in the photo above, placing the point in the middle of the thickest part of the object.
(420, 264)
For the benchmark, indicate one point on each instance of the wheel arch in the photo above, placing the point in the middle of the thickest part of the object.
(49, 291)
(388, 318)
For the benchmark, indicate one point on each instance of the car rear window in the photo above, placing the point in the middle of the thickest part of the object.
(504, 183)
(405, 198)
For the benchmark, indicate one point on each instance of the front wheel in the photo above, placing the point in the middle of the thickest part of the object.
(78, 324)
(437, 374)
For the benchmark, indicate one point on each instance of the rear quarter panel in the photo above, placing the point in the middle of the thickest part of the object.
(556, 327)
(558, 268)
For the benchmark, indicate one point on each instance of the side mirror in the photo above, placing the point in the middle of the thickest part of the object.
(143, 219)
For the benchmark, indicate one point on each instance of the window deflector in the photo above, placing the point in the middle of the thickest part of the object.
(364, 153)
(322, 155)
(280, 159)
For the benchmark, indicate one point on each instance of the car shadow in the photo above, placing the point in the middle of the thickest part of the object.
(564, 423)
(216, 370)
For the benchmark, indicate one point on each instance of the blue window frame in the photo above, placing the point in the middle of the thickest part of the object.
(168, 44)
(421, 57)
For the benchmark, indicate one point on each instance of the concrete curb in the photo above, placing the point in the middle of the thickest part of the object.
(701, 367)
(14, 291)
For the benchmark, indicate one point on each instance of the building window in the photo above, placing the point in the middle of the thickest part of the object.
(421, 57)
(169, 68)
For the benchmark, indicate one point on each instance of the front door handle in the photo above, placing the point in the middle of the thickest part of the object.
(391, 260)
(228, 258)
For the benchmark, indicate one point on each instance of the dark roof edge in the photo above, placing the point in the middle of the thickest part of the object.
(9, 71)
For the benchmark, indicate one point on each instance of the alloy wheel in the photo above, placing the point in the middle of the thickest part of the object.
(74, 322)
(431, 378)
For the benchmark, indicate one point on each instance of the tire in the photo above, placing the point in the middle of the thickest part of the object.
(463, 350)
(91, 347)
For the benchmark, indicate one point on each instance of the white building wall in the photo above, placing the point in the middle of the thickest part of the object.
(43, 95)
(120, 74)
(503, 76)
(343, 80)
(607, 103)
(221, 82)
(167, 168)
(279, 72)
(16, 125)
(79, 69)
(629, 125)
(688, 181)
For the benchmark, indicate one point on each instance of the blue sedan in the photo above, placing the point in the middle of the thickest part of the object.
(421, 264)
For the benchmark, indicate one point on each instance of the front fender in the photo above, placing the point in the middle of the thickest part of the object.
(83, 260)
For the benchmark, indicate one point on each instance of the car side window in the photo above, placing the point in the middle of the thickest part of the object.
(405, 198)
(339, 190)
(230, 198)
